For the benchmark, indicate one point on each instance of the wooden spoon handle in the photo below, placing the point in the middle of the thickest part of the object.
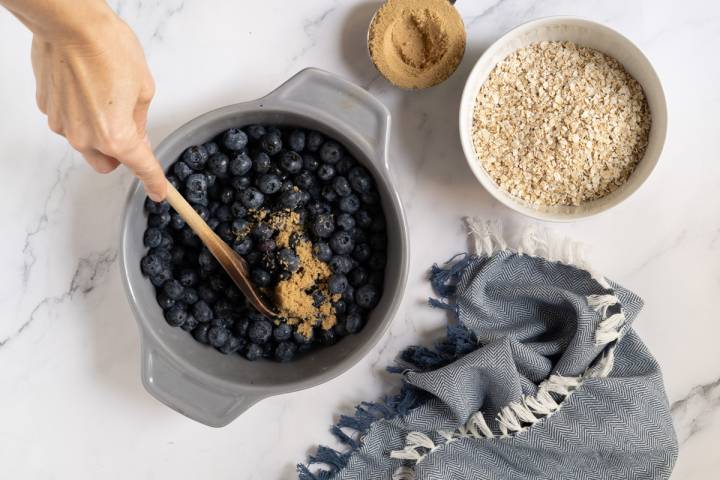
(231, 261)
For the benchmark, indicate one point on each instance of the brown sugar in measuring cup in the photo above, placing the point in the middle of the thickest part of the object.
(416, 43)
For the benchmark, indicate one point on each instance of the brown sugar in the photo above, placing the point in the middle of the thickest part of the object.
(293, 296)
(417, 43)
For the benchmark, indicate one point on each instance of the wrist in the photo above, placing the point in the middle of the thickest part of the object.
(74, 23)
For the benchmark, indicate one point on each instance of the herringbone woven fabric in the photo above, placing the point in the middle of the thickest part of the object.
(543, 379)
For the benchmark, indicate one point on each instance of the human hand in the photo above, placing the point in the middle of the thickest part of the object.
(95, 89)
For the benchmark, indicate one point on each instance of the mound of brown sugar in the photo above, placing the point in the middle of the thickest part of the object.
(293, 296)
(417, 43)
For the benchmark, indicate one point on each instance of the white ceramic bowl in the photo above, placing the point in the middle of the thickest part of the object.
(588, 34)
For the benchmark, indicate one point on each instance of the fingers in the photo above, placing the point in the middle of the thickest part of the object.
(100, 162)
(141, 160)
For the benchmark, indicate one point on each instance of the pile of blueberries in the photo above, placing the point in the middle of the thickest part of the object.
(229, 181)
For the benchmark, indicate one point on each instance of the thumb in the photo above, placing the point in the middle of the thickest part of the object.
(141, 160)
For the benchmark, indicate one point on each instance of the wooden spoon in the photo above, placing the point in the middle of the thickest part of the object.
(231, 261)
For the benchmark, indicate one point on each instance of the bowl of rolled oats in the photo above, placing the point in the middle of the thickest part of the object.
(562, 118)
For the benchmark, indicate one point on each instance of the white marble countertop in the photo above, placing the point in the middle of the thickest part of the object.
(71, 401)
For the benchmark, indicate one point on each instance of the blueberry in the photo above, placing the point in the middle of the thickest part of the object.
(152, 237)
(217, 164)
(282, 332)
(266, 246)
(362, 252)
(240, 327)
(196, 183)
(367, 296)
(353, 322)
(341, 264)
(240, 183)
(211, 148)
(176, 315)
(345, 221)
(296, 141)
(262, 162)
(224, 231)
(310, 162)
(189, 324)
(340, 306)
(181, 170)
(173, 180)
(240, 164)
(218, 336)
(358, 277)
(253, 258)
(342, 186)
(360, 180)
(237, 209)
(317, 207)
(234, 139)
(301, 339)
(211, 179)
(377, 261)
(271, 142)
(255, 131)
(330, 152)
(349, 296)
(176, 221)
(363, 219)
(287, 185)
(190, 296)
(342, 243)
(227, 195)
(325, 172)
(201, 210)
(337, 283)
(260, 331)
(202, 311)
(269, 183)
(378, 223)
(328, 337)
(345, 165)
(207, 294)
(223, 213)
(289, 260)
(189, 238)
(260, 277)
(349, 204)
(195, 157)
(329, 194)
(198, 198)
(163, 254)
(370, 198)
(177, 255)
(206, 260)
(253, 352)
(262, 231)
(232, 345)
(322, 251)
(285, 351)
(291, 199)
(305, 180)
(378, 241)
(218, 282)
(173, 289)
(161, 277)
(156, 207)
(314, 141)
(164, 301)
(240, 227)
(318, 298)
(159, 220)
(200, 333)
(323, 226)
(252, 198)
(244, 246)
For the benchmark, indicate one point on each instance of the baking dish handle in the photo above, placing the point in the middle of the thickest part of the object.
(333, 100)
(201, 400)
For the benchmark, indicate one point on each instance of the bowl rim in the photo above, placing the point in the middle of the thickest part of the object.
(467, 102)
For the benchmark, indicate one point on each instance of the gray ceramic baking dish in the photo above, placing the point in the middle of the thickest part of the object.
(196, 380)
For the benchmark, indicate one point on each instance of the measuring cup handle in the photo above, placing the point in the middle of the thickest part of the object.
(187, 394)
(332, 100)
